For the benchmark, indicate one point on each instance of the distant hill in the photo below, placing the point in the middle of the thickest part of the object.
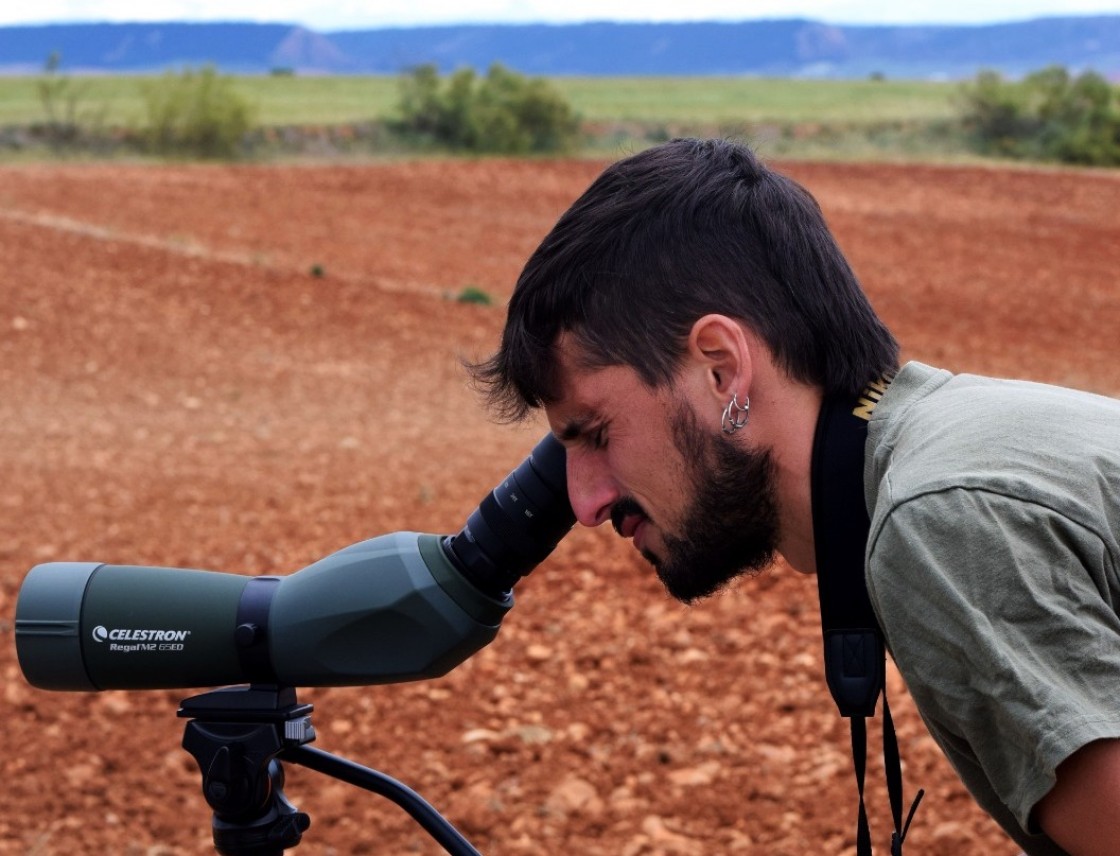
(785, 48)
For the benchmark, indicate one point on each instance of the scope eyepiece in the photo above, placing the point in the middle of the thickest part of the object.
(518, 523)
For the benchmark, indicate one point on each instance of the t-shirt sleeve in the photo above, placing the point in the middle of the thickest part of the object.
(997, 612)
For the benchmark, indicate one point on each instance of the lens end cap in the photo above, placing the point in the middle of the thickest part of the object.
(48, 625)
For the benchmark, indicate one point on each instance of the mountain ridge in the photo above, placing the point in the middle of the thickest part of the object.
(792, 47)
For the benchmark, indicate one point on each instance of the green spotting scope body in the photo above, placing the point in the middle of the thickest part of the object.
(399, 607)
(389, 609)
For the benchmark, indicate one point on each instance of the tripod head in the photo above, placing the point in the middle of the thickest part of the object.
(235, 734)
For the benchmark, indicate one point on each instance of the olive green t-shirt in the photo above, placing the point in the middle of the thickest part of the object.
(993, 566)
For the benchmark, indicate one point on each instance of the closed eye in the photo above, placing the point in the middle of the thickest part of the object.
(584, 432)
(597, 437)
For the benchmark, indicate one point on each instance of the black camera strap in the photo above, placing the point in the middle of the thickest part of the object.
(854, 651)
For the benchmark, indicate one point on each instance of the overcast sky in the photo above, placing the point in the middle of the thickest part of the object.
(357, 14)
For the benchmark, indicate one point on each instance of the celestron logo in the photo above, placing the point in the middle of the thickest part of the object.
(131, 634)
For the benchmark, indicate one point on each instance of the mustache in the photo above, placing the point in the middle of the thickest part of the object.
(625, 507)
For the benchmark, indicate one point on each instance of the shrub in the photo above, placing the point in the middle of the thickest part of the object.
(62, 102)
(503, 112)
(1049, 115)
(474, 294)
(194, 113)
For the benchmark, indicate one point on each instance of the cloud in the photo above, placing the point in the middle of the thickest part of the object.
(343, 14)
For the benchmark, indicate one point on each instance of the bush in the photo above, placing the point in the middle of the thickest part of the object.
(194, 113)
(1049, 115)
(503, 112)
(62, 102)
(474, 294)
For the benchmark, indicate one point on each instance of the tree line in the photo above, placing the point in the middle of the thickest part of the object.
(1049, 115)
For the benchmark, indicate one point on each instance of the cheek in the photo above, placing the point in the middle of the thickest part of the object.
(655, 474)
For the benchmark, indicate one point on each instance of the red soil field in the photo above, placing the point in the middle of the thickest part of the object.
(179, 388)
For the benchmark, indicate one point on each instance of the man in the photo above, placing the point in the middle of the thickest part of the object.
(685, 326)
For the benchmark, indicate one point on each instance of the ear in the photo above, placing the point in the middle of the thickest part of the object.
(718, 347)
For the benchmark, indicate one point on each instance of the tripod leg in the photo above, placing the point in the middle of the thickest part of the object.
(371, 780)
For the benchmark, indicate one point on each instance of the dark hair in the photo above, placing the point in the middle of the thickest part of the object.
(686, 228)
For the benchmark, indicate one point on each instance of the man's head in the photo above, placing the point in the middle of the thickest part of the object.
(684, 275)
(659, 240)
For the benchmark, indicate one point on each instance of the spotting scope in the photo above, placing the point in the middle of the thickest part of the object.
(398, 607)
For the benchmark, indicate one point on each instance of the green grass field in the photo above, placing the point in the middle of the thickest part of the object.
(705, 101)
(117, 100)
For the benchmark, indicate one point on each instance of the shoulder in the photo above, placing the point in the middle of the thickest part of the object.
(1040, 445)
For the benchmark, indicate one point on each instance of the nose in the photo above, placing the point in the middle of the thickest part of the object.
(591, 489)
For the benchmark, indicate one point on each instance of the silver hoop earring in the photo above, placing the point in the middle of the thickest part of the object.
(735, 415)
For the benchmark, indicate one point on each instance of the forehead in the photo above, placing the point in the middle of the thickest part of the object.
(589, 394)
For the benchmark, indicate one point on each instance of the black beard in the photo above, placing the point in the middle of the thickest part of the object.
(730, 527)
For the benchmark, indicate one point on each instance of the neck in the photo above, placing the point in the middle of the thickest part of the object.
(786, 422)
